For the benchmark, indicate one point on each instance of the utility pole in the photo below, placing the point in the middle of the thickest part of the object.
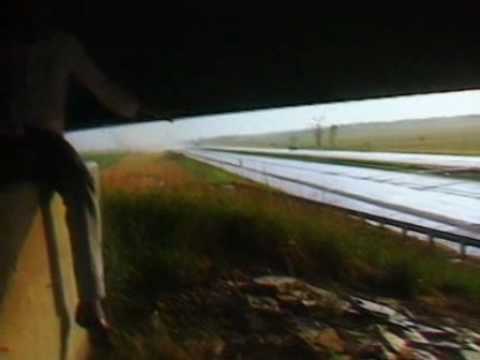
(318, 130)
(333, 136)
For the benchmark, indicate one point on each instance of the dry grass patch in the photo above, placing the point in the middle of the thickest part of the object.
(143, 173)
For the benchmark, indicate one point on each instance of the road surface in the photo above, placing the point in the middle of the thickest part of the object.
(440, 203)
(444, 161)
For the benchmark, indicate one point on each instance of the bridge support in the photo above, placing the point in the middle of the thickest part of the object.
(38, 293)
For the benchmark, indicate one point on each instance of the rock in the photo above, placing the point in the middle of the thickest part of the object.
(328, 298)
(431, 333)
(376, 309)
(320, 338)
(287, 299)
(423, 355)
(369, 351)
(446, 345)
(393, 303)
(309, 303)
(387, 354)
(263, 303)
(416, 337)
(279, 283)
(402, 322)
(408, 313)
(469, 345)
(286, 317)
(395, 342)
(330, 340)
(375, 350)
(291, 291)
(449, 329)
(470, 355)
(472, 335)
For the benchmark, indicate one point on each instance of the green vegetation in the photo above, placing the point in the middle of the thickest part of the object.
(455, 135)
(204, 172)
(104, 160)
(184, 239)
(162, 241)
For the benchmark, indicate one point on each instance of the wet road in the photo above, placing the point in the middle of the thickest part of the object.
(449, 161)
(451, 205)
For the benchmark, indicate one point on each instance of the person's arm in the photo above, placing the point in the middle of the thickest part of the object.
(11, 123)
(84, 70)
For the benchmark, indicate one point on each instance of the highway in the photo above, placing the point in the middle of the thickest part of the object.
(444, 161)
(451, 205)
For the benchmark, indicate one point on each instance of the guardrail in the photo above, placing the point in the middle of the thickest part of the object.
(462, 240)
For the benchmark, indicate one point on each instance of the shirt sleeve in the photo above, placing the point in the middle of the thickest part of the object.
(5, 89)
(11, 77)
(84, 70)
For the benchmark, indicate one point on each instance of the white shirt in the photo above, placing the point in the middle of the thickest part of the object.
(40, 93)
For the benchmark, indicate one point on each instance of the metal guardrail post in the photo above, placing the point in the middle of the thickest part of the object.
(463, 249)
(431, 239)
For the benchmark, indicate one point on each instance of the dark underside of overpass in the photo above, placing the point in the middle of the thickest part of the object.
(203, 59)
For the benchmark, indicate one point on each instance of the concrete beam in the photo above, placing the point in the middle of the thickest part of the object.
(37, 289)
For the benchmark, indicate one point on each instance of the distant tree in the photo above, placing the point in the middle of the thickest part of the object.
(293, 142)
(333, 135)
(318, 135)
(318, 130)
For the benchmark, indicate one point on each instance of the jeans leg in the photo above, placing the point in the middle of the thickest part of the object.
(86, 246)
(61, 169)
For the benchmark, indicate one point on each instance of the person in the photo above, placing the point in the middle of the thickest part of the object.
(33, 148)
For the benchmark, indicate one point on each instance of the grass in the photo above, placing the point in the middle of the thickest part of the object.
(203, 172)
(193, 229)
(104, 160)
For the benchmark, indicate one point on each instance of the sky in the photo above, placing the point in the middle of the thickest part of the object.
(157, 136)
